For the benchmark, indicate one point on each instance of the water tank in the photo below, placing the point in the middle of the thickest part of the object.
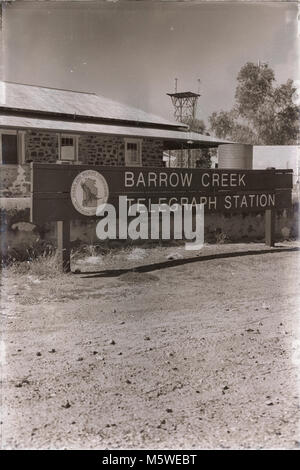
(237, 156)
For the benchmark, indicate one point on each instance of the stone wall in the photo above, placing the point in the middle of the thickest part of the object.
(41, 147)
(101, 150)
(107, 150)
(92, 149)
(152, 152)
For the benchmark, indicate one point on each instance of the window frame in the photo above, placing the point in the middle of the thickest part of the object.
(75, 145)
(20, 145)
(139, 150)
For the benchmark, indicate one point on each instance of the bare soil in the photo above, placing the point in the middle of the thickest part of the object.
(140, 351)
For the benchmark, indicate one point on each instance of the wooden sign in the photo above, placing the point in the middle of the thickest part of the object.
(67, 192)
(64, 192)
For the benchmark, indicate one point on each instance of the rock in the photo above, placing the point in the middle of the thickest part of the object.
(112, 342)
(169, 410)
(38, 353)
(174, 255)
(128, 381)
(67, 405)
(122, 323)
(95, 352)
(52, 350)
(80, 359)
(163, 421)
(147, 338)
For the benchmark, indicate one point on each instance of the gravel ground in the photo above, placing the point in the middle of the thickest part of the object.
(154, 348)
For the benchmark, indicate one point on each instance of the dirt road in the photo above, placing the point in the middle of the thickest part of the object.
(186, 352)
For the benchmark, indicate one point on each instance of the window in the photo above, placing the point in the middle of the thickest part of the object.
(68, 147)
(133, 152)
(12, 147)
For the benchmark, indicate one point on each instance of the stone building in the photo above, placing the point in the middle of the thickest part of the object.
(48, 125)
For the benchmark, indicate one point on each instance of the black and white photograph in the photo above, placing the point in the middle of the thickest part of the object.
(149, 203)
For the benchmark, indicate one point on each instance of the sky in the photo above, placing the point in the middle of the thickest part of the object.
(132, 51)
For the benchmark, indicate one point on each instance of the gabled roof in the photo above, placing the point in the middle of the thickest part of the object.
(50, 109)
(36, 99)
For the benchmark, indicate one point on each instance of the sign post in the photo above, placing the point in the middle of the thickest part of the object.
(63, 244)
(270, 216)
(62, 193)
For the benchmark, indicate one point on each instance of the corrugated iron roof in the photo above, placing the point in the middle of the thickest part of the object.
(174, 137)
(52, 100)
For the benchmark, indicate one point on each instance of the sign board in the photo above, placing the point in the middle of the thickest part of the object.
(64, 192)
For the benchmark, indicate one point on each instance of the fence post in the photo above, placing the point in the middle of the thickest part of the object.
(63, 244)
(270, 227)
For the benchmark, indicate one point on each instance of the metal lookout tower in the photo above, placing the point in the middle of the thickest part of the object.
(185, 105)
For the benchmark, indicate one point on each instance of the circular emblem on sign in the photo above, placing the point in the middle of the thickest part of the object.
(88, 191)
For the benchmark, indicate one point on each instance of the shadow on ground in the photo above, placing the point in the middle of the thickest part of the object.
(179, 262)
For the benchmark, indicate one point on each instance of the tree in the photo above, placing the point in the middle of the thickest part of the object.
(195, 125)
(263, 113)
(222, 123)
(255, 84)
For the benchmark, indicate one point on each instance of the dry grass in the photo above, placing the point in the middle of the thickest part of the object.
(44, 265)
